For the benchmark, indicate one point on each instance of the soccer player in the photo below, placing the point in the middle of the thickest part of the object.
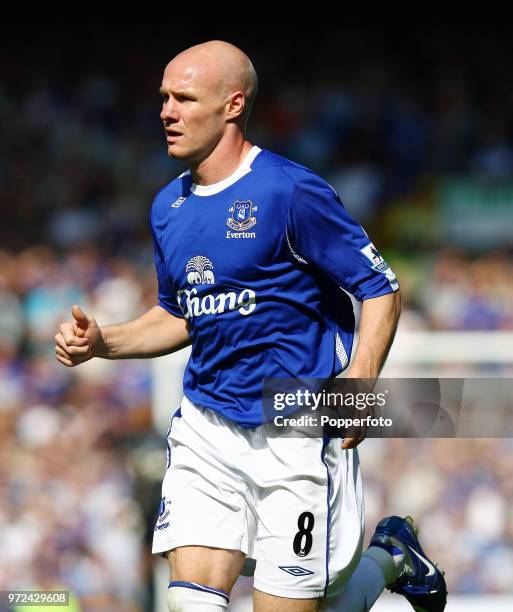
(254, 255)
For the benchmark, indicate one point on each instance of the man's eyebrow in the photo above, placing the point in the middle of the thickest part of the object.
(178, 92)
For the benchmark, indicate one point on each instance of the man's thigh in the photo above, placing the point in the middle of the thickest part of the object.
(213, 567)
(263, 602)
(203, 497)
(309, 531)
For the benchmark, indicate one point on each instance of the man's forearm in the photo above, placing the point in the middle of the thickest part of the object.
(155, 333)
(378, 323)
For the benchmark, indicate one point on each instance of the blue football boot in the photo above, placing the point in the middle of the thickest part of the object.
(421, 582)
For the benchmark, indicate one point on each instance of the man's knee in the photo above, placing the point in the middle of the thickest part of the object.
(193, 597)
(216, 567)
(263, 602)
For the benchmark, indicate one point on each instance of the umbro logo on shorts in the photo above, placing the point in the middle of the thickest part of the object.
(295, 570)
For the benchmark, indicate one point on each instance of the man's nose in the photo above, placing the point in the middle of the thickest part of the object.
(169, 111)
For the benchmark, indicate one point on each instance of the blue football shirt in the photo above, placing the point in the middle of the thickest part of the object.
(259, 265)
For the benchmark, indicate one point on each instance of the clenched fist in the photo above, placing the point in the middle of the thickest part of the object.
(78, 341)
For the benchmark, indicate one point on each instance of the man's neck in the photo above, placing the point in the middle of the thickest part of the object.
(222, 162)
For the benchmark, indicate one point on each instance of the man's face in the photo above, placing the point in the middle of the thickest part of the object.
(193, 110)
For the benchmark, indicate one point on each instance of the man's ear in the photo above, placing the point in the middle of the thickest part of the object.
(236, 105)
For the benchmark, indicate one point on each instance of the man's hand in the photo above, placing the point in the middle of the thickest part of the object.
(353, 442)
(78, 341)
(357, 387)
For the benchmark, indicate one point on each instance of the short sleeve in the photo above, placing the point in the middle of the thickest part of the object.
(166, 296)
(322, 233)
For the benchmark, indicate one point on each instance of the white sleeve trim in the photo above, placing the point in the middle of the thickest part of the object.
(298, 257)
(341, 352)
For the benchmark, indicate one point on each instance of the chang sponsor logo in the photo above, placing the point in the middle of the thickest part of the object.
(193, 305)
(200, 271)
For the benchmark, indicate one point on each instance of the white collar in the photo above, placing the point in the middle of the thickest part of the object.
(244, 168)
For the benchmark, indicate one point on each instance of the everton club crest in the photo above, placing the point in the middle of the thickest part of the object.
(242, 216)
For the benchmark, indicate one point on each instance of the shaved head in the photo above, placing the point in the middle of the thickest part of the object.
(222, 66)
(208, 91)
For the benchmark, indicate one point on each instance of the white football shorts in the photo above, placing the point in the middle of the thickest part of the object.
(293, 504)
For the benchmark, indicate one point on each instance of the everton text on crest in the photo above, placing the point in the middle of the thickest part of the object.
(242, 219)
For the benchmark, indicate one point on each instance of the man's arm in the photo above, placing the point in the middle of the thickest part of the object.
(378, 323)
(156, 332)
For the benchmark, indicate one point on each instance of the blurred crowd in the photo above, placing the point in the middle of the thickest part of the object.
(459, 492)
(82, 154)
(76, 446)
(453, 290)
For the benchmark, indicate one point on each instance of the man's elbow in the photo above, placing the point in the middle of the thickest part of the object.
(395, 305)
(391, 305)
(397, 302)
(388, 305)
